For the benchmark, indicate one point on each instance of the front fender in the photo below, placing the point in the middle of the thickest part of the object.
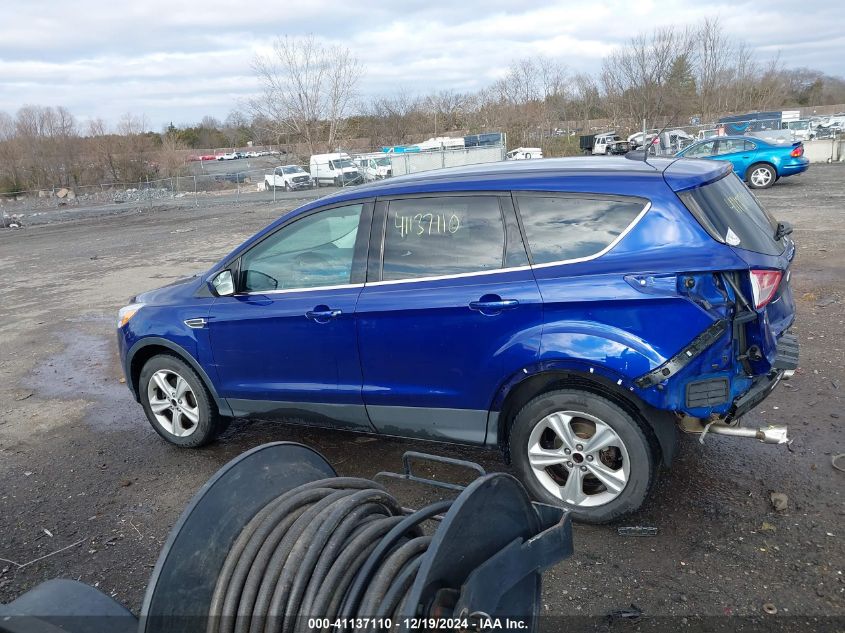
(181, 352)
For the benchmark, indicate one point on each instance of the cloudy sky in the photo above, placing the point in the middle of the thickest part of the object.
(172, 60)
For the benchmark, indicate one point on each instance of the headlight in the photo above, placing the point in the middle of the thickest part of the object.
(127, 312)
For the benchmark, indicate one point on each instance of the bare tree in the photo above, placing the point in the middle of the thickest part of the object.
(307, 89)
(588, 97)
(643, 68)
(393, 118)
(446, 106)
(712, 55)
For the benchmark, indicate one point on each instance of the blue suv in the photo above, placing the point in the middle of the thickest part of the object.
(571, 313)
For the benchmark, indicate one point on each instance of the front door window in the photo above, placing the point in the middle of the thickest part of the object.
(314, 251)
(704, 149)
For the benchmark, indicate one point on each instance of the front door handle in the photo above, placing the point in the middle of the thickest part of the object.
(323, 314)
(492, 304)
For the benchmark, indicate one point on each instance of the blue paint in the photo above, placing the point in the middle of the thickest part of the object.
(419, 343)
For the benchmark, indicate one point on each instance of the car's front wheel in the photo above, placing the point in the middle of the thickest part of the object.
(761, 176)
(177, 403)
(579, 450)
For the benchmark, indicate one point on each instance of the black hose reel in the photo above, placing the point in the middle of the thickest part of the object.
(276, 542)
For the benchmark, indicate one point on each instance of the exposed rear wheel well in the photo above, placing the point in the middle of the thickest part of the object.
(531, 387)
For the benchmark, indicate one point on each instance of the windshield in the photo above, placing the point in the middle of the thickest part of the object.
(731, 214)
(383, 162)
(293, 169)
(343, 163)
(799, 125)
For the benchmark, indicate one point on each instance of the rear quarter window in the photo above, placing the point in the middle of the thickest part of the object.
(730, 213)
(561, 228)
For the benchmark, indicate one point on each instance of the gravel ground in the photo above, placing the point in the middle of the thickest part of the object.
(80, 464)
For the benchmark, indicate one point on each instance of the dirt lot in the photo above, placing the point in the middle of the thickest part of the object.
(80, 465)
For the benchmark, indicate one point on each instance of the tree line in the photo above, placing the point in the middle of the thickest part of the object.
(310, 100)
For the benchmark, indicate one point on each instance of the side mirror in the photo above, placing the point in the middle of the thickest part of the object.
(222, 284)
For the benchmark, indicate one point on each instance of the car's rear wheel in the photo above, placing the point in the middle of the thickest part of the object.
(761, 176)
(579, 450)
(177, 402)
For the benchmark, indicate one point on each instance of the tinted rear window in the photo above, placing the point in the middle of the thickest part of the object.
(730, 213)
(562, 228)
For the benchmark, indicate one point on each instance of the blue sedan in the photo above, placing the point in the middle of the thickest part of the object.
(754, 160)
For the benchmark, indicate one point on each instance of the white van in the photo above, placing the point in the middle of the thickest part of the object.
(374, 166)
(334, 169)
(524, 153)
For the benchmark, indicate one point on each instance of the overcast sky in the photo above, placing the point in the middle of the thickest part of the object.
(172, 60)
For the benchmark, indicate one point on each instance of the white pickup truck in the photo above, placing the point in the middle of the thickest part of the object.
(289, 178)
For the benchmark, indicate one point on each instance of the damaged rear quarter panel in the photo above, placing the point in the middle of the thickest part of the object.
(625, 317)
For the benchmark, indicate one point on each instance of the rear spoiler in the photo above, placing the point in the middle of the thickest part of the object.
(686, 173)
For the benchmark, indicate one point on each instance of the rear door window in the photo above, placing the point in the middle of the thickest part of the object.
(731, 146)
(432, 237)
(561, 228)
(730, 213)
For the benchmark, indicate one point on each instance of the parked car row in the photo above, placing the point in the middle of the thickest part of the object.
(337, 169)
(235, 155)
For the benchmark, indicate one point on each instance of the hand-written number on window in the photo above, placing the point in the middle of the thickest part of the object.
(427, 224)
(736, 203)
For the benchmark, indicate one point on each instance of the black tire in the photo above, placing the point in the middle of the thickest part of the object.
(210, 423)
(773, 176)
(636, 436)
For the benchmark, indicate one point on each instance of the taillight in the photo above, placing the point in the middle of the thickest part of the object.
(764, 284)
(797, 152)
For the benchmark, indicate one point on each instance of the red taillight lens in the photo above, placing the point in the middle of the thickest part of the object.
(764, 284)
(797, 152)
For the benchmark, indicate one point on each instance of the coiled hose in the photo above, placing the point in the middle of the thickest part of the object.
(334, 548)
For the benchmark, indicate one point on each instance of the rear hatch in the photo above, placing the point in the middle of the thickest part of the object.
(732, 215)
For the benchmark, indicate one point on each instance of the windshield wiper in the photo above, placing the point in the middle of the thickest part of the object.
(784, 229)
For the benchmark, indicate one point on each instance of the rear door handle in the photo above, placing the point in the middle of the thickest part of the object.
(323, 314)
(493, 306)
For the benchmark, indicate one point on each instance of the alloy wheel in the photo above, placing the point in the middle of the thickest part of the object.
(761, 177)
(173, 403)
(578, 458)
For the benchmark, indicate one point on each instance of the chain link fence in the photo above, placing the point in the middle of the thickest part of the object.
(235, 181)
